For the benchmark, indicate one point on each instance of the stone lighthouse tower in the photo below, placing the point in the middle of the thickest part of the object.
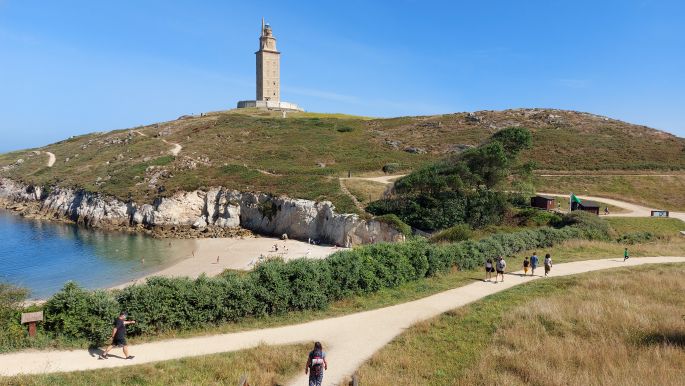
(268, 67)
(268, 75)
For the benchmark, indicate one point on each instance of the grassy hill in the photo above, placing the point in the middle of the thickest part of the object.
(304, 154)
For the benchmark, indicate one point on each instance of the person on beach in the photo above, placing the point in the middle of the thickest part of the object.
(119, 335)
(526, 264)
(501, 266)
(548, 264)
(316, 364)
(626, 255)
(533, 263)
(489, 269)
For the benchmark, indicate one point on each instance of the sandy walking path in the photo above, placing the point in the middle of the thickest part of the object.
(348, 340)
(175, 149)
(632, 210)
(382, 179)
(51, 158)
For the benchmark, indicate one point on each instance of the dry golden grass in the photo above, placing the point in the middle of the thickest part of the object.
(611, 329)
(263, 365)
(624, 327)
(662, 192)
(366, 191)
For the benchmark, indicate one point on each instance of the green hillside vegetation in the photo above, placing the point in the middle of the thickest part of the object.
(304, 154)
(465, 188)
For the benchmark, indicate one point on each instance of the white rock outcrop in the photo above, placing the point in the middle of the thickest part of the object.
(219, 207)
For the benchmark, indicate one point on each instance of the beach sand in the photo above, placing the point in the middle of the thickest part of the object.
(234, 253)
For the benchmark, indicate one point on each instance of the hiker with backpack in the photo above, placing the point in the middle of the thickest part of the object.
(316, 364)
(489, 269)
(626, 255)
(533, 263)
(526, 264)
(548, 264)
(501, 265)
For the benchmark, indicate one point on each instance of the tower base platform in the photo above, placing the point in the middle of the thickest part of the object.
(270, 105)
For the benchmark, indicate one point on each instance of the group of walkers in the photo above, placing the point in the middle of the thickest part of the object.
(529, 263)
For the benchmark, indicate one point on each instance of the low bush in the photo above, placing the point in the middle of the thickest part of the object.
(81, 314)
(275, 287)
(456, 233)
(538, 217)
(635, 238)
(12, 334)
(391, 167)
(395, 222)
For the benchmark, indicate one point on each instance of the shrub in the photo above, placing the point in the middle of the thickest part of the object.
(594, 227)
(453, 234)
(533, 216)
(78, 313)
(391, 167)
(518, 200)
(635, 238)
(12, 334)
(344, 129)
(395, 222)
(272, 287)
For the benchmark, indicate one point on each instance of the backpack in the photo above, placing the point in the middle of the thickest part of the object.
(501, 264)
(316, 366)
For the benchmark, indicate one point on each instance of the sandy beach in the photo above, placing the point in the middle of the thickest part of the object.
(213, 256)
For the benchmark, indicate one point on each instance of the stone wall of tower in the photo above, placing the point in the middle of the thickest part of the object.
(268, 75)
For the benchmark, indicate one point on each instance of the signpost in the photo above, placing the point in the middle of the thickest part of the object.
(31, 318)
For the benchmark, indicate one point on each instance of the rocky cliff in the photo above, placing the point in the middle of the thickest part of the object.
(199, 210)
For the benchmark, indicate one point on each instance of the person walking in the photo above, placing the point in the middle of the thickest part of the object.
(119, 335)
(533, 263)
(526, 264)
(626, 255)
(489, 269)
(501, 266)
(548, 264)
(316, 364)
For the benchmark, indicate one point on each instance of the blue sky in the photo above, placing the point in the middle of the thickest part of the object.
(72, 67)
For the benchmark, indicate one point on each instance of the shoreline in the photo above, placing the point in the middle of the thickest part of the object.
(235, 253)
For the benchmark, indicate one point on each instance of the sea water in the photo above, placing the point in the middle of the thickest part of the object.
(42, 256)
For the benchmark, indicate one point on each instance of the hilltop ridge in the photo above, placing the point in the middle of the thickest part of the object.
(304, 154)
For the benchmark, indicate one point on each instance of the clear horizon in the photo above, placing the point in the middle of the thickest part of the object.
(81, 67)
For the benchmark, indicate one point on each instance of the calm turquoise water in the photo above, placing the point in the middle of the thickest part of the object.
(42, 256)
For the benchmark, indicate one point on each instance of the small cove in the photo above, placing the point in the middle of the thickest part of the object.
(42, 255)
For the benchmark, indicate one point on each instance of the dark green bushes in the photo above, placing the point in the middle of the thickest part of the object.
(533, 216)
(462, 188)
(453, 234)
(396, 223)
(12, 335)
(276, 287)
(635, 238)
(391, 167)
(77, 313)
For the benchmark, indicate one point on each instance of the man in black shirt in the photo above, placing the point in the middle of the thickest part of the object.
(119, 335)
